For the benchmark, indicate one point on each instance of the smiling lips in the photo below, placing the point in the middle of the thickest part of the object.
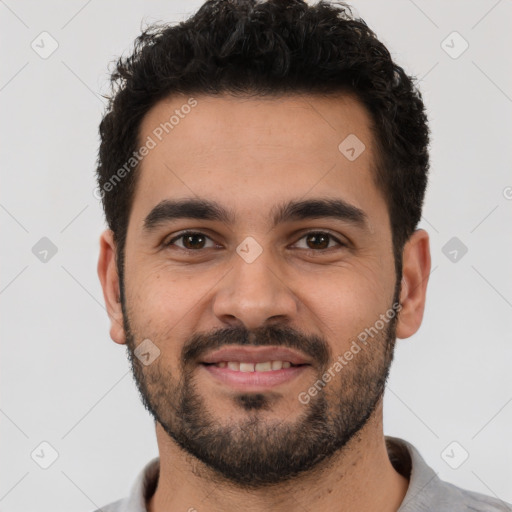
(266, 366)
(255, 355)
(254, 368)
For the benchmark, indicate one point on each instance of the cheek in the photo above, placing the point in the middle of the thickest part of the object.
(156, 312)
(156, 302)
(345, 304)
(164, 306)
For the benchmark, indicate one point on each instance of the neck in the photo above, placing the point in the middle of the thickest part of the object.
(359, 478)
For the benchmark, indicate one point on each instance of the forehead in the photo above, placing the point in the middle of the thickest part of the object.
(252, 153)
(224, 122)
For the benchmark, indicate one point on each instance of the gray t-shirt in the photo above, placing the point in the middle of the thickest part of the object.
(426, 492)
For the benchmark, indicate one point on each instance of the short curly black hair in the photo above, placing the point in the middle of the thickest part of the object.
(261, 48)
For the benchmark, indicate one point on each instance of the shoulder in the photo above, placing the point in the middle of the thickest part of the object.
(427, 492)
(143, 487)
(456, 499)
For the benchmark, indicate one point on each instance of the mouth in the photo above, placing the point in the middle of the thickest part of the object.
(246, 367)
(251, 368)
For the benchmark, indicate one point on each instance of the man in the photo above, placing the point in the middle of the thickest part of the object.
(262, 169)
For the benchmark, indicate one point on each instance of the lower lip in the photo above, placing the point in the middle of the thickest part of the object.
(254, 380)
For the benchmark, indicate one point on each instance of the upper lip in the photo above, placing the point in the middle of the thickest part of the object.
(255, 355)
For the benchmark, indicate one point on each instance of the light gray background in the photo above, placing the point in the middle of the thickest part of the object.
(65, 382)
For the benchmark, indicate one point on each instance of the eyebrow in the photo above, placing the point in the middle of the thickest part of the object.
(203, 209)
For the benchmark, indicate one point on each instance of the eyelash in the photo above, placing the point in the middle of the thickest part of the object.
(185, 233)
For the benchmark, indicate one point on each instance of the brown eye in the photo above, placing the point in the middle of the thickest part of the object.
(319, 240)
(192, 241)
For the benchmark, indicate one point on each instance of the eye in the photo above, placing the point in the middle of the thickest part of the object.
(191, 240)
(320, 240)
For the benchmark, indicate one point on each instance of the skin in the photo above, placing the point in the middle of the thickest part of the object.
(249, 155)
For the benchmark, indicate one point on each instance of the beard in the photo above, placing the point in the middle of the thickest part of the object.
(256, 452)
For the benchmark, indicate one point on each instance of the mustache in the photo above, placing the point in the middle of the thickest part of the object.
(281, 336)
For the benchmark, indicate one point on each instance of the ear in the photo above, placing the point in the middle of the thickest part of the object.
(415, 273)
(107, 272)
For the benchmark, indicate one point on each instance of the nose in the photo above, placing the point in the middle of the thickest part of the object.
(255, 293)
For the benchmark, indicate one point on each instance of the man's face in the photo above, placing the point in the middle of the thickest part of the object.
(311, 285)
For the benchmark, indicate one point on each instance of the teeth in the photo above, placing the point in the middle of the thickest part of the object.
(263, 367)
(246, 367)
(277, 365)
(254, 367)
